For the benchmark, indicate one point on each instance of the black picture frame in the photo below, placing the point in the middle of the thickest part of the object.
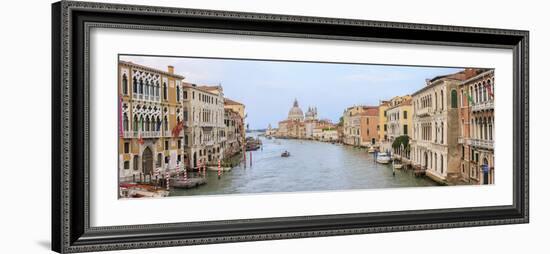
(71, 231)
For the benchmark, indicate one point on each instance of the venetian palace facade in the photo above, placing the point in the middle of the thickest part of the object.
(476, 138)
(434, 148)
(164, 121)
(147, 115)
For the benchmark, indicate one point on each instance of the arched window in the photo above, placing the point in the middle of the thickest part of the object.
(165, 123)
(435, 96)
(435, 161)
(164, 91)
(471, 93)
(124, 84)
(485, 129)
(157, 89)
(441, 159)
(159, 160)
(490, 129)
(135, 89)
(125, 122)
(478, 87)
(436, 129)
(442, 132)
(442, 101)
(141, 123)
(146, 88)
(454, 99)
(136, 162)
(177, 93)
(141, 86)
(135, 124)
(147, 124)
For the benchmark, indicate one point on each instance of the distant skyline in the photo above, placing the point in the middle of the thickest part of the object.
(268, 88)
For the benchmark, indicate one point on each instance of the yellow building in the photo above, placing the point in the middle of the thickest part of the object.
(382, 121)
(235, 106)
(399, 117)
(148, 121)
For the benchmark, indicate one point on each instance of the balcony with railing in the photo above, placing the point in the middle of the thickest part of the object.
(130, 134)
(208, 143)
(424, 111)
(487, 144)
(150, 134)
(144, 134)
(485, 105)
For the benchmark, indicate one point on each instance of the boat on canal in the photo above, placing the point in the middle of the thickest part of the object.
(397, 164)
(285, 154)
(371, 149)
(383, 158)
(253, 144)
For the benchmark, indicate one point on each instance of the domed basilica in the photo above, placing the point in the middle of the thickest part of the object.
(298, 124)
(296, 114)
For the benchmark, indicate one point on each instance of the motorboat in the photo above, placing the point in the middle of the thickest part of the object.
(285, 154)
(383, 158)
(371, 149)
(397, 165)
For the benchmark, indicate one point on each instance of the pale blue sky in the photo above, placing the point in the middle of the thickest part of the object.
(268, 88)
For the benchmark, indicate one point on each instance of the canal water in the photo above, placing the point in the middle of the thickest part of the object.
(312, 166)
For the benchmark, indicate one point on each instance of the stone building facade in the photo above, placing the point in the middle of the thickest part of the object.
(476, 135)
(360, 125)
(434, 147)
(234, 133)
(148, 118)
(203, 116)
(398, 117)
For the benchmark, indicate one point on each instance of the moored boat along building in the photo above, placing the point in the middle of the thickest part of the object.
(149, 124)
(434, 145)
(476, 134)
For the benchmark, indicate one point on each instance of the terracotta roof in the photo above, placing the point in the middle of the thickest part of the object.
(373, 111)
(461, 75)
(209, 88)
(201, 88)
(228, 101)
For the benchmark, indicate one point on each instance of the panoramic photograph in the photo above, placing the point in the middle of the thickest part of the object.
(191, 126)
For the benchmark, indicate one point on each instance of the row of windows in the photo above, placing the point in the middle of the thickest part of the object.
(144, 124)
(426, 101)
(395, 116)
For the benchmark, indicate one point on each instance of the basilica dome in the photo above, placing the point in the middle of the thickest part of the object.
(295, 112)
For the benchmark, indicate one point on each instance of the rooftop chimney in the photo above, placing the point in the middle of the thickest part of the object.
(170, 69)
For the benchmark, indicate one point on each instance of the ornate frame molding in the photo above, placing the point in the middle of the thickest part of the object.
(71, 23)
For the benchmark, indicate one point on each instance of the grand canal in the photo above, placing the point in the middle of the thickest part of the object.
(312, 166)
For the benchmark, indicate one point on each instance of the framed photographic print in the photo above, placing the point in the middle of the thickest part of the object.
(179, 126)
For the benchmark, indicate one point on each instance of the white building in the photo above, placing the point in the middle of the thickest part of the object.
(434, 145)
(203, 114)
